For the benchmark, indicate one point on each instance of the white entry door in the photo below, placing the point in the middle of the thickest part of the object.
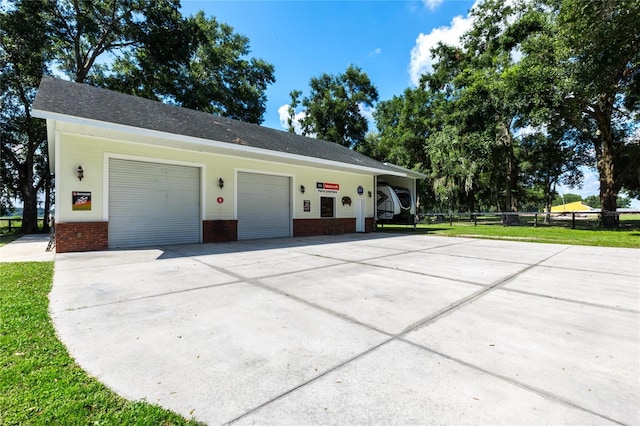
(360, 214)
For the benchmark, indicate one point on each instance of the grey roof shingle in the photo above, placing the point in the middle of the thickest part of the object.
(89, 102)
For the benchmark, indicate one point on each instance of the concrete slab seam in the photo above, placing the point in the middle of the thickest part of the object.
(585, 270)
(152, 296)
(400, 252)
(239, 280)
(474, 296)
(538, 391)
(417, 325)
(577, 302)
(474, 257)
(313, 379)
(363, 262)
(257, 283)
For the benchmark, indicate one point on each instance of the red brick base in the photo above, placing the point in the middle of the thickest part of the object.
(219, 231)
(81, 236)
(332, 226)
(369, 224)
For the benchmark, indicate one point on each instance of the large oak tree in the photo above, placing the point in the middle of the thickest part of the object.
(143, 47)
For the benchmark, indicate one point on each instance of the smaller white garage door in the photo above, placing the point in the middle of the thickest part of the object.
(153, 204)
(264, 206)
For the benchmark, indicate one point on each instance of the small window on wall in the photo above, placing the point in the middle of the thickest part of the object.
(327, 206)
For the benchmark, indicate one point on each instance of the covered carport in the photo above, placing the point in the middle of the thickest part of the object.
(406, 179)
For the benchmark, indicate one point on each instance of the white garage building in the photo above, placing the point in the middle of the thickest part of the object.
(131, 172)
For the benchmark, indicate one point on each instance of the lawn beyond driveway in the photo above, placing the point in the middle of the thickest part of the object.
(371, 328)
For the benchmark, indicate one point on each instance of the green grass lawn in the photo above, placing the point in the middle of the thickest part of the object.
(629, 238)
(39, 382)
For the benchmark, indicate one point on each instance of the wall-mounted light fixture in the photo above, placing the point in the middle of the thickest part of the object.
(79, 172)
(302, 188)
(369, 192)
(221, 183)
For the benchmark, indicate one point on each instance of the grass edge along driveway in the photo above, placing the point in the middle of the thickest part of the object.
(624, 238)
(40, 383)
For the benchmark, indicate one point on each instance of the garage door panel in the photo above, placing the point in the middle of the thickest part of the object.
(153, 204)
(264, 206)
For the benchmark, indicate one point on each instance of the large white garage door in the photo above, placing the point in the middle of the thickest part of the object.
(264, 206)
(153, 204)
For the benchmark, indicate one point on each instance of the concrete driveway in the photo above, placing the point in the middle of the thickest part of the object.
(361, 329)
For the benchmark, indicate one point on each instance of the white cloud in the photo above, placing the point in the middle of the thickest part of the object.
(366, 112)
(283, 113)
(421, 60)
(432, 4)
(375, 52)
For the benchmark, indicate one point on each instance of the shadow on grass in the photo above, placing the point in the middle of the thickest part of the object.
(7, 237)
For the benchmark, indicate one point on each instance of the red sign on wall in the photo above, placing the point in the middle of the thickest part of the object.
(333, 186)
(327, 187)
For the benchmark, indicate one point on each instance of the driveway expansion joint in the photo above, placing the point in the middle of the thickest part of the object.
(534, 389)
(400, 337)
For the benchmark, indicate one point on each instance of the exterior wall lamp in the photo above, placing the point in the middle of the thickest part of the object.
(302, 188)
(80, 173)
(221, 183)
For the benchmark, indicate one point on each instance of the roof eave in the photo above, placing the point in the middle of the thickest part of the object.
(408, 172)
(209, 143)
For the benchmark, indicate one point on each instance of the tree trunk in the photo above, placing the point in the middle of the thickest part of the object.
(30, 210)
(511, 203)
(549, 188)
(47, 204)
(604, 146)
(28, 192)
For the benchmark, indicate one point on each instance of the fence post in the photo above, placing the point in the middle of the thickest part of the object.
(535, 222)
(475, 220)
(451, 220)
(573, 220)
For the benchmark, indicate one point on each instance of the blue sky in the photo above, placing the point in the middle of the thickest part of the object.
(389, 40)
(304, 39)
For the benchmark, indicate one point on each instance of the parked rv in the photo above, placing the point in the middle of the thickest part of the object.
(395, 205)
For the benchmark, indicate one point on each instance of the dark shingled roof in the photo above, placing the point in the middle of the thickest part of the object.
(89, 102)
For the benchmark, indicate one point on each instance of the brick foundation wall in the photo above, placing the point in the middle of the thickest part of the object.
(369, 224)
(219, 231)
(329, 226)
(81, 236)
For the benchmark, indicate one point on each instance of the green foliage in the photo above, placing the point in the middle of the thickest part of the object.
(404, 123)
(200, 64)
(600, 62)
(333, 109)
(40, 383)
(593, 201)
(24, 54)
(142, 47)
(535, 91)
(566, 199)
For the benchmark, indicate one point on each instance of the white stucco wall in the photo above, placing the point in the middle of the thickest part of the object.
(92, 147)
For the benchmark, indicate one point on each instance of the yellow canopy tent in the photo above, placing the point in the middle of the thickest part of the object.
(576, 206)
